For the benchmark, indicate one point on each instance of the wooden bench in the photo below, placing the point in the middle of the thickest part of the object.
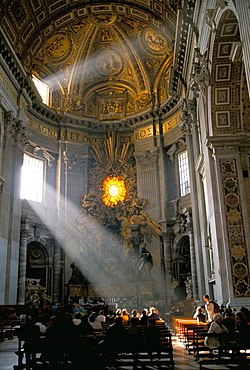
(189, 336)
(234, 349)
(9, 328)
(64, 353)
(139, 354)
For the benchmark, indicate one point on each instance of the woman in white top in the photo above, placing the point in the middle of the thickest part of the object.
(101, 316)
(40, 323)
(77, 320)
(96, 324)
(218, 328)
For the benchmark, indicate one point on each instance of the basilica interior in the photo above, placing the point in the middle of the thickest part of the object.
(125, 146)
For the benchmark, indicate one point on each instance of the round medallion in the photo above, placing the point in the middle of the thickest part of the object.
(232, 200)
(240, 270)
(57, 47)
(108, 62)
(154, 40)
(36, 252)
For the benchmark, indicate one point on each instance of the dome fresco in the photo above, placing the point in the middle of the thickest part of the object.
(101, 60)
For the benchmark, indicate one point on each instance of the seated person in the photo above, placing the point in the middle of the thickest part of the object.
(215, 327)
(143, 318)
(153, 314)
(200, 317)
(135, 313)
(67, 327)
(179, 312)
(115, 337)
(241, 324)
(242, 328)
(41, 324)
(30, 334)
(228, 321)
(101, 317)
(152, 335)
(110, 318)
(125, 317)
(134, 335)
(53, 330)
(77, 320)
(84, 328)
(29, 331)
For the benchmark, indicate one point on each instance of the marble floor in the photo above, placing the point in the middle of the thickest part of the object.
(183, 361)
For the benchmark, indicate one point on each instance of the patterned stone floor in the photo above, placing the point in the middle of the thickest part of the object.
(183, 361)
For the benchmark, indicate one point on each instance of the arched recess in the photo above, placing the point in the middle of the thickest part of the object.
(40, 263)
(181, 265)
(229, 93)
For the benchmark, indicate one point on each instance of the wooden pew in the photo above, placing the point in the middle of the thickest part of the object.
(141, 355)
(64, 353)
(234, 349)
(9, 328)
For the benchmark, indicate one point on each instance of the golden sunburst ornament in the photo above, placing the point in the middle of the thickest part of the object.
(114, 190)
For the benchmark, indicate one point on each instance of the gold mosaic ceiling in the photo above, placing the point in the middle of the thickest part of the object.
(102, 60)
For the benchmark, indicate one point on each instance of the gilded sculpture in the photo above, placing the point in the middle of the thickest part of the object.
(111, 232)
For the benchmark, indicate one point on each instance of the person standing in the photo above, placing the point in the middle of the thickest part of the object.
(211, 307)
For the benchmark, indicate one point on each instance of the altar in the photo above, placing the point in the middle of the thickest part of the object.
(136, 295)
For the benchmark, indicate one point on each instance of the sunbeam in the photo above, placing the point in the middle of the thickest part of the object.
(95, 250)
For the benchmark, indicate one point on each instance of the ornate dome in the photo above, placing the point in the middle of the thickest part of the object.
(101, 60)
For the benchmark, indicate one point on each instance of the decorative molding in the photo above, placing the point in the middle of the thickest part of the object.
(171, 152)
(228, 144)
(48, 157)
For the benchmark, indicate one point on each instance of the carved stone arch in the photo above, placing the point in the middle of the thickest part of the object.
(181, 264)
(39, 262)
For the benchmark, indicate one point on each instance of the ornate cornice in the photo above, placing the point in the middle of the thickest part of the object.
(185, 22)
(229, 144)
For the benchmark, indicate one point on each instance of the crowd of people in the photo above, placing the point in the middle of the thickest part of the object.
(120, 325)
(221, 319)
(138, 327)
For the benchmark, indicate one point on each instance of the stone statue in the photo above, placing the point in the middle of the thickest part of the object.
(36, 293)
(77, 276)
(189, 287)
(172, 292)
(145, 264)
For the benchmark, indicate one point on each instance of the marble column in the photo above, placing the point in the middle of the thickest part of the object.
(57, 272)
(193, 263)
(189, 125)
(22, 266)
(167, 255)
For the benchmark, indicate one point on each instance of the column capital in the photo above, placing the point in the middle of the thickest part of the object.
(16, 129)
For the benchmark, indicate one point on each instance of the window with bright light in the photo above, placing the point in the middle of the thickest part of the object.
(184, 173)
(32, 178)
(43, 89)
